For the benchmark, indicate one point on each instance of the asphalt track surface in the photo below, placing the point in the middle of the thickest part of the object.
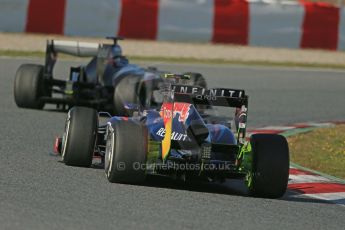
(39, 192)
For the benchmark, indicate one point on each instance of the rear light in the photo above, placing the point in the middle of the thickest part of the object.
(57, 145)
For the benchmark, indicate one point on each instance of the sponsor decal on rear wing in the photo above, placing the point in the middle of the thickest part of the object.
(215, 96)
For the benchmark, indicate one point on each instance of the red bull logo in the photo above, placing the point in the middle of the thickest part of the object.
(180, 108)
(183, 110)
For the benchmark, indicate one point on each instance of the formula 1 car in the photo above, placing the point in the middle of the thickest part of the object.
(107, 83)
(180, 139)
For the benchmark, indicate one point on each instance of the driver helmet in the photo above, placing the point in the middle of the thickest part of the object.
(116, 54)
(116, 51)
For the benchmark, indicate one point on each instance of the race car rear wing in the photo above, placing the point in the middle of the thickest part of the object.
(75, 48)
(214, 97)
(99, 51)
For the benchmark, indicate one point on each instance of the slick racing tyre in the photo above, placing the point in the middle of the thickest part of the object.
(126, 150)
(29, 86)
(197, 79)
(129, 91)
(270, 165)
(79, 139)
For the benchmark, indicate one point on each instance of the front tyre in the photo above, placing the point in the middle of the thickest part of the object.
(126, 150)
(270, 170)
(79, 139)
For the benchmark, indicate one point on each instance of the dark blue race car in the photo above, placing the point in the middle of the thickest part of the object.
(107, 82)
(180, 139)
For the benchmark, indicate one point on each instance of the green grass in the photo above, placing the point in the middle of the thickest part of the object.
(321, 149)
(40, 54)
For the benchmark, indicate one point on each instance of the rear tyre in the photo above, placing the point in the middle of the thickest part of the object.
(126, 150)
(128, 91)
(79, 139)
(29, 86)
(270, 165)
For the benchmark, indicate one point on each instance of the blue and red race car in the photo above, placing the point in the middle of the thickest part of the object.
(181, 138)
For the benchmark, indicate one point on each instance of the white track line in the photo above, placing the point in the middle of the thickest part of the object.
(295, 179)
